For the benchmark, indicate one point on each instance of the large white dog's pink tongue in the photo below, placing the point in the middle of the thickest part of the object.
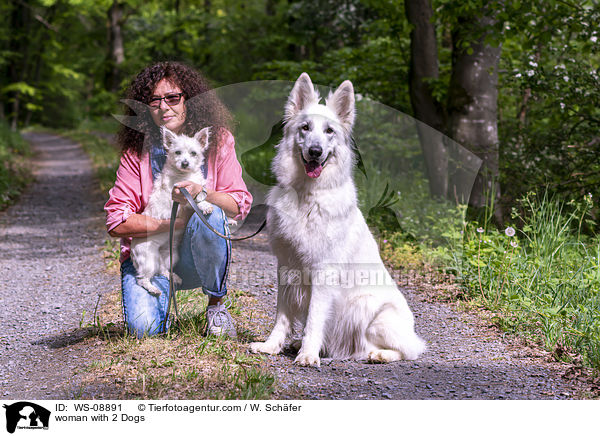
(313, 169)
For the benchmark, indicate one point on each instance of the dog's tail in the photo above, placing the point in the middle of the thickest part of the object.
(393, 329)
(412, 346)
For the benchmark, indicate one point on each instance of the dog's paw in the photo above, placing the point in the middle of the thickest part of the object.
(153, 290)
(306, 359)
(384, 356)
(205, 207)
(148, 286)
(176, 279)
(264, 347)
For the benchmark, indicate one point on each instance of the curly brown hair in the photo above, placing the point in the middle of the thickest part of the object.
(204, 110)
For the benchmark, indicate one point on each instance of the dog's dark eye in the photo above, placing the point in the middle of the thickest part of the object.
(193, 153)
(329, 130)
(305, 127)
(177, 152)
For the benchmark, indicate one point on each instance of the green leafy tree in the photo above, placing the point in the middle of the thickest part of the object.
(551, 85)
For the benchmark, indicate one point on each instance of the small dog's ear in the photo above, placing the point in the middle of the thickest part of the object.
(302, 94)
(203, 137)
(342, 103)
(168, 137)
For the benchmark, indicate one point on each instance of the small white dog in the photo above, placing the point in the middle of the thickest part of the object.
(332, 282)
(185, 156)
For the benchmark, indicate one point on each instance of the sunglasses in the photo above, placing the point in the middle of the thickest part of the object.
(171, 100)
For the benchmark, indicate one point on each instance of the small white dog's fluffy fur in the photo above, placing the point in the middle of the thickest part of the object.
(320, 237)
(185, 156)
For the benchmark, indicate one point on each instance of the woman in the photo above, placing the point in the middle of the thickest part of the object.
(179, 98)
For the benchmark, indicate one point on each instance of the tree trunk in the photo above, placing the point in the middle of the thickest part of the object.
(207, 5)
(473, 106)
(21, 23)
(270, 7)
(116, 50)
(42, 37)
(36, 80)
(424, 66)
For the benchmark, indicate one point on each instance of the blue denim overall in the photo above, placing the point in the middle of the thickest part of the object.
(203, 262)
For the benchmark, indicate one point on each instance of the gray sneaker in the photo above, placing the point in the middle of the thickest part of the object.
(219, 321)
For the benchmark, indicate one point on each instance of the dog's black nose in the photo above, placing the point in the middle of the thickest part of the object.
(315, 151)
(185, 164)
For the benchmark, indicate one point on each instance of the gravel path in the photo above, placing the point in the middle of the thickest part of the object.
(53, 273)
(466, 358)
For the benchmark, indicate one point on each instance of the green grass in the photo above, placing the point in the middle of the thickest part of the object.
(543, 282)
(15, 173)
(183, 363)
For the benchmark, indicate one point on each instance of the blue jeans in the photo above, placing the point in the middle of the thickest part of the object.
(203, 262)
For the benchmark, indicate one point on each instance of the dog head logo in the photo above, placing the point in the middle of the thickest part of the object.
(26, 415)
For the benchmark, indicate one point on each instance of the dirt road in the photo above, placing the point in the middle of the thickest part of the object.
(52, 273)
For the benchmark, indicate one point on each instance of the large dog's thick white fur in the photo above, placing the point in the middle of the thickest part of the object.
(185, 156)
(332, 282)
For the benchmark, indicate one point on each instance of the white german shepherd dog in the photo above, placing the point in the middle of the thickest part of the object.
(333, 287)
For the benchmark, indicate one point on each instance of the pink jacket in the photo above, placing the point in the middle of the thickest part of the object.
(134, 184)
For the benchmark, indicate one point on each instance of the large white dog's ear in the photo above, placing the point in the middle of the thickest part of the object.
(168, 137)
(341, 102)
(203, 137)
(301, 96)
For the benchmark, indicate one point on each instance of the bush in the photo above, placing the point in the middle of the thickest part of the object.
(542, 279)
(14, 173)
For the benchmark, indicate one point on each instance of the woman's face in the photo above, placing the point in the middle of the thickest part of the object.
(170, 115)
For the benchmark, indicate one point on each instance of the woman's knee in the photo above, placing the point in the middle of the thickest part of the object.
(143, 324)
(143, 312)
(143, 316)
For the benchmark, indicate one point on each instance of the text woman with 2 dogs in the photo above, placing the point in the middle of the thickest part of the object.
(177, 97)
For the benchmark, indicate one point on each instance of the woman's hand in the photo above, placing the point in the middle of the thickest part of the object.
(193, 188)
